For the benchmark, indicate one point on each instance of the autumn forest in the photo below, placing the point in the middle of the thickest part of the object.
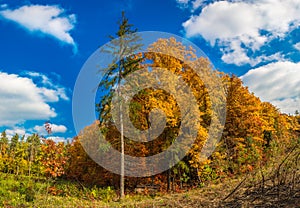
(259, 145)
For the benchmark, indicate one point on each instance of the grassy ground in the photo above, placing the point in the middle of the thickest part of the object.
(275, 185)
(16, 192)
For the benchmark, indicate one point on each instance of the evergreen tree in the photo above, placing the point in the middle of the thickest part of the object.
(13, 145)
(14, 142)
(3, 151)
(3, 143)
(122, 47)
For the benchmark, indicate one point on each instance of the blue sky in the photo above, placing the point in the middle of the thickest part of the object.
(44, 44)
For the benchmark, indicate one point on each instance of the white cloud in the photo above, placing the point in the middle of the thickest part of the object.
(40, 130)
(278, 83)
(183, 4)
(44, 79)
(21, 99)
(193, 5)
(182, 1)
(50, 20)
(197, 4)
(50, 91)
(297, 46)
(242, 26)
(60, 139)
(54, 128)
(289, 105)
(234, 54)
(16, 130)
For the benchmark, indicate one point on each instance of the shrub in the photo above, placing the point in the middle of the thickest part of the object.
(105, 194)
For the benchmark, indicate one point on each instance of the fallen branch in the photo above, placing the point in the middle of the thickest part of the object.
(236, 188)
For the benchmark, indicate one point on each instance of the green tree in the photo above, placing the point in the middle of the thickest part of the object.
(21, 154)
(3, 151)
(14, 142)
(13, 145)
(17, 160)
(3, 142)
(122, 46)
(34, 152)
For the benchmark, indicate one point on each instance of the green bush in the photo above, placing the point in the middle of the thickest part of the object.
(27, 190)
(105, 194)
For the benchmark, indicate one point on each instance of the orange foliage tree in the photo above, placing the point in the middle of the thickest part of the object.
(54, 158)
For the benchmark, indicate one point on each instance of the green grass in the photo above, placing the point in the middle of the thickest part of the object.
(25, 191)
(277, 183)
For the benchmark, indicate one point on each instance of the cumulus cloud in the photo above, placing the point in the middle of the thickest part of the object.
(49, 20)
(22, 100)
(278, 83)
(239, 27)
(54, 128)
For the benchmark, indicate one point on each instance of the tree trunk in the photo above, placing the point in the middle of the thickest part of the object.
(122, 181)
(180, 178)
(122, 185)
(169, 180)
